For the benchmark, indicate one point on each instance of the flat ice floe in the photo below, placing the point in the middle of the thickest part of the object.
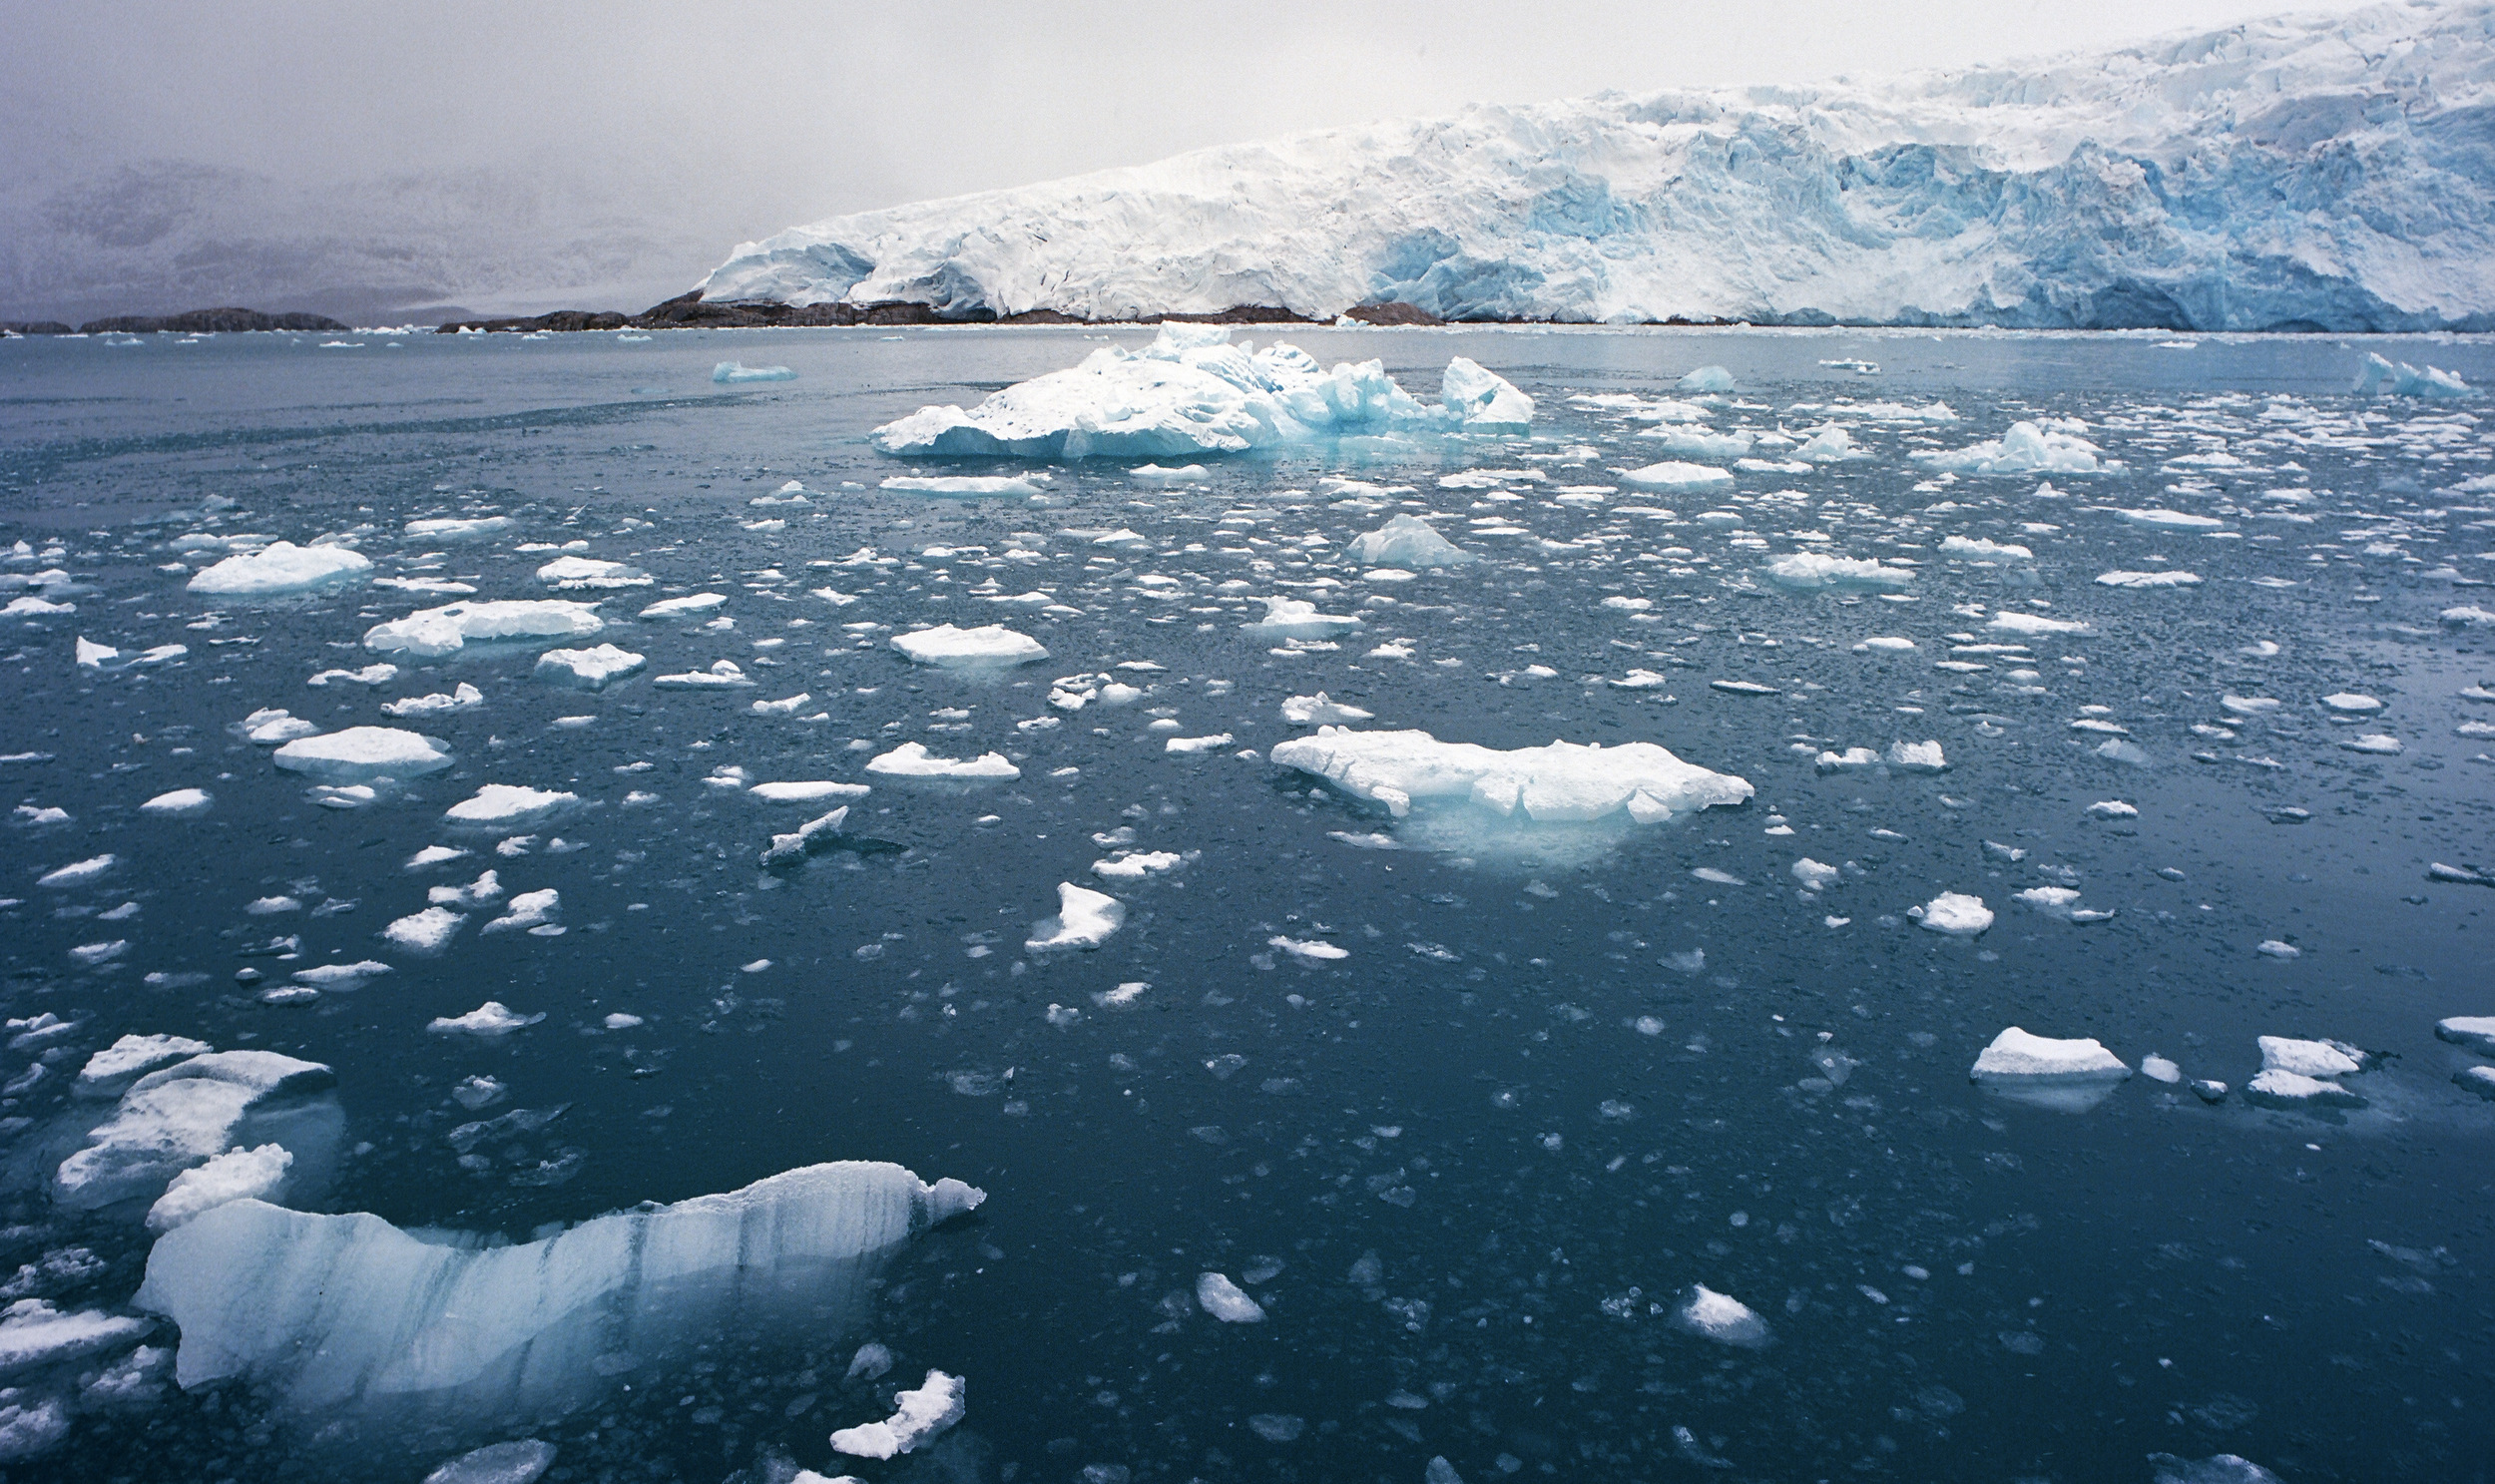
(237, 1175)
(807, 791)
(331, 1309)
(2470, 1032)
(1723, 1319)
(1954, 913)
(2024, 449)
(179, 803)
(1674, 475)
(1319, 710)
(1193, 392)
(2012, 620)
(988, 645)
(504, 804)
(363, 754)
(2164, 579)
(1406, 540)
(590, 669)
(734, 373)
(973, 485)
(939, 1401)
(432, 633)
(913, 761)
(1564, 782)
(281, 568)
(1085, 919)
(589, 572)
(1810, 572)
(176, 1116)
(1223, 1300)
(2018, 1057)
(491, 1019)
(1297, 618)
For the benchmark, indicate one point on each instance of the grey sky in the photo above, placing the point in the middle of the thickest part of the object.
(641, 141)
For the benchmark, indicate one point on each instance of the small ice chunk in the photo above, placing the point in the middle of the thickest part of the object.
(181, 803)
(1706, 380)
(813, 835)
(1135, 865)
(2168, 578)
(2218, 1468)
(1309, 951)
(2051, 901)
(497, 1463)
(491, 1019)
(1977, 546)
(871, 1362)
(1223, 1300)
(425, 933)
(589, 668)
(1297, 618)
(1085, 919)
(735, 374)
(2012, 620)
(2159, 1069)
(1723, 1319)
(1160, 474)
(1318, 710)
(503, 804)
(2379, 744)
(2279, 1087)
(363, 754)
(1407, 541)
(237, 1175)
(949, 648)
(2024, 449)
(807, 791)
(913, 761)
(1885, 646)
(1677, 475)
(1813, 571)
(1210, 744)
(2017, 1057)
(110, 1072)
(2477, 1080)
(1922, 756)
(432, 633)
(77, 873)
(341, 976)
(2350, 702)
(528, 913)
(1817, 875)
(937, 1405)
(461, 700)
(975, 485)
(455, 528)
(281, 568)
(674, 608)
(2306, 1058)
(588, 572)
(1955, 913)
(2113, 808)
(176, 1116)
(2470, 1032)
(1561, 783)
(34, 1335)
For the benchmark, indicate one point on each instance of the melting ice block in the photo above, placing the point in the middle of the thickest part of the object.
(501, 805)
(1675, 475)
(1297, 618)
(938, 1403)
(176, 1116)
(949, 648)
(913, 761)
(281, 569)
(498, 1463)
(1811, 571)
(2471, 1032)
(2015, 1057)
(1407, 541)
(34, 1335)
(2309, 1058)
(360, 754)
(2024, 449)
(590, 669)
(1320, 710)
(432, 633)
(1723, 1319)
(1565, 782)
(2276, 1087)
(237, 1175)
(1193, 392)
(732, 374)
(329, 1310)
(1085, 919)
(1955, 913)
(1225, 1300)
(588, 572)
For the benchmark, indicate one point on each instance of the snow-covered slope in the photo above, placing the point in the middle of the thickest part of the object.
(2333, 172)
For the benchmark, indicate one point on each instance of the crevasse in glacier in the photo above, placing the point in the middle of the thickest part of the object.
(2314, 171)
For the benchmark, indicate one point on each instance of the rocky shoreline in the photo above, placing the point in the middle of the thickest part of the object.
(692, 311)
(225, 322)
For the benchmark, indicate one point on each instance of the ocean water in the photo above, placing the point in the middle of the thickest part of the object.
(1472, 1168)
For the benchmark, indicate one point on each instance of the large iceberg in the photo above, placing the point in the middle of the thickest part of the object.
(1191, 392)
(1563, 783)
(2310, 171)
(331, 1310)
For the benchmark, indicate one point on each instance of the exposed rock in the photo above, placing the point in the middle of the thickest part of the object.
(208, 322)
(33, 328)
(1391, 313)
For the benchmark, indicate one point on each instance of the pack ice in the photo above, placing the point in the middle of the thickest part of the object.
(2215, 180)
(1193, 392)
(331, 1310)
(1564, 782)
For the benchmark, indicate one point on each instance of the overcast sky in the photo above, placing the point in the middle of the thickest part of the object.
(720, 121)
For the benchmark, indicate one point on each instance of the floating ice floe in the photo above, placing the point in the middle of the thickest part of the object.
(913, 761)
(988, 645)
(1193, 392)
(724, 674)
(2024, 449)
(77, 872)
(1406, 540)
(1309, 950)
(734, 373)
(2469, 616)
(271, 725)
(2309, 1058)
(432, 633)
(110, 1072)
(2400, 380)
(1706, 382)
(1565, 782)
(1210, 744)
(2277, 1088)
(462, 698)
(810, 790)
(937, 1403)
(34, 1335)
(2167, 579)
(1954, 913)
(425, 933)
(509, 1463)
(93, 655)
(1810, 572)
(532, 912)
(1976, 545)
(363, 754)
(2017, 1058)
(2013, 620)
(572, 572)
(811, 838)
(237, 1175)
(1318, 710)
(519, 1329)
(2171, 520)
(31, 607)
(676, 607)
(1161, 474)
(456, 528)
(1677, 475)
(2469, 1032)
(180, 1116)
(1085, 919)
(491, 1019)
(508, 804)
(1297, 618)
(1817, 875)
(1225, 1300)
(972, 485)
(590, 669)
(2379, 744)
(1884, 645)
(179, 803)
(2060, 904)
(2350, 702)
(1723, 1319)
(281, 569)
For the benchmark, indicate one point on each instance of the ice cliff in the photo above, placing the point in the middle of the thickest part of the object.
(2333, 172)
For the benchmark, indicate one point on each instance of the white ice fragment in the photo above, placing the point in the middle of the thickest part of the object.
(456, 528)
(913, 761)
(2379, 744)
(256, 1289)
(1564, 782)
(1309, 950)
(918, 1415)
(1085, 919)
(2171, 520)
(724, 674)
(281, 568)
(1884, 645)
(2275, 1087)
(1160, 474)
(2469, 1032)
(2024, 449)
(179, 803)
(2401, 379)
(176, 1117)
(2306, 1058)
(528, 911)
(1223, 1299)
(975, 485)
(500, 804)
(1955, 913)
(1297, 618)
(733, 373)
(2017, 1057)
(77, 872)
(1406, 540)
(590, 669)
(2158, 1069)
(1706, 381)
(425, 933)
(465, 697)
(814, 835)
(237, 1175)
(499, 1463)
(1135, 866)
(110, 1072)
(2350, 702)
(1318, 710)
(1210, 744)
(35, 1335)
(341, 976)
(1976, 545)
(432, 633)
(1811, 571)
(671, 608)
(1922, 756)
(363, 754)
(2168, 578)
(1817, 875)
(491, 1019)
(2113, 808)
(2051, 901)
(808, 792)
(1723, 1319)
(949, 648)
(588, 572)
(2278, 948)
(1678, 475)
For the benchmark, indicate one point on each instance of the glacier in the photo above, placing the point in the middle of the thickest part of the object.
(2307, 171)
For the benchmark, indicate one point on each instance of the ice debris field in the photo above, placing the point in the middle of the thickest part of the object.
(1178, 904)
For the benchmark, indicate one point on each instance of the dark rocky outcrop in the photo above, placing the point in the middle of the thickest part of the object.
(208, 322)
(1391, 313)
(33, 328)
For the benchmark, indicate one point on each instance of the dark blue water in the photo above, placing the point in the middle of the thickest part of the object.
(1557, 1081)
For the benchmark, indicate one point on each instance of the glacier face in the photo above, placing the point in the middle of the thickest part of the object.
(2303, 172)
